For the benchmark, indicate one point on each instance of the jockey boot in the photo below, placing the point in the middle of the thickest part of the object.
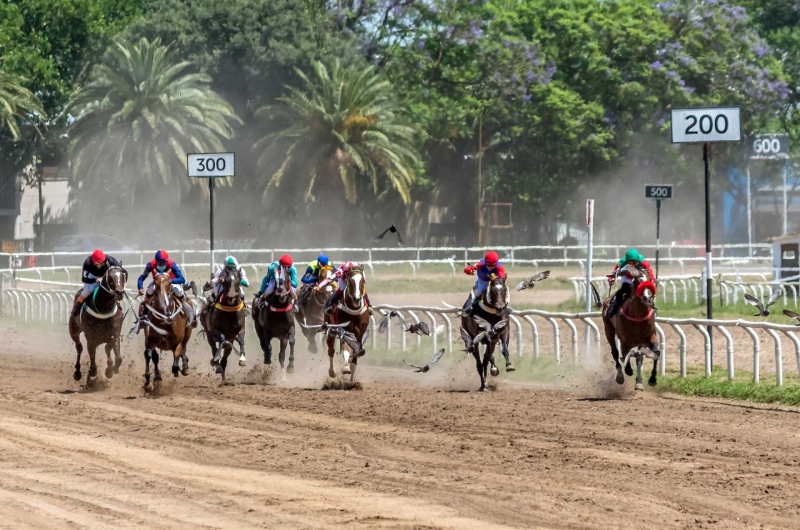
(333, 300)
(468, 306)
(76, 308)
(369, 304)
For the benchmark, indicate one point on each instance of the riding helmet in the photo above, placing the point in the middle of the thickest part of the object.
(285, 260)
(231, 263)
(491, 258)
(98, 256)
(162, 255)
(633, 255)
(322, 259)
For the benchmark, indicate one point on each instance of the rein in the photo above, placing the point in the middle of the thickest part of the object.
(228, 308)
(630, 318)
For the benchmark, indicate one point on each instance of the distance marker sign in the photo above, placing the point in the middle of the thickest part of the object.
(715, 124)
(209, 165)
(659, 192)
(769, 146)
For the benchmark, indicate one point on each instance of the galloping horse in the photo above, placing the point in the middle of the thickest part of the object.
(167, 329)
(635, 326)
(311, 307)
(223, 322)
(354, 312)
(273, 319)
(491, 309)
(100, 321)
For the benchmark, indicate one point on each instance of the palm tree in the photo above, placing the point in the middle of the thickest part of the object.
(344, 126)
(17, 104)
(140, 114)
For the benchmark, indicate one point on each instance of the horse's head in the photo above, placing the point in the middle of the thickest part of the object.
(356, 285)
(496, 293)
(232, 282)
(161, 290)
(114, 280)
(326, 273)
(643, 286)
(282, 282)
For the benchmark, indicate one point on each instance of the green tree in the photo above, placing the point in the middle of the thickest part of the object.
(344, 125)
(17, 104)
(136, 119)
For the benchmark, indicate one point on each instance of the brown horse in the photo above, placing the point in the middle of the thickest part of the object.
(273, 320)
(167, 329)
(100, 321)
(353, 312)
(635, 326)
(491, 313)
(311, 306)
(223, 322)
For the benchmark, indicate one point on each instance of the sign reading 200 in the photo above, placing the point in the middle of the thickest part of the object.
(707, 124)
(715, 124)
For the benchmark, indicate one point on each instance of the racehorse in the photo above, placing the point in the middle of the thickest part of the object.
(635, 326)
(168, 328)
(491, 309)
(273, 320)
(223, 322)
(100, 321)
(354, 312)
(311, 307)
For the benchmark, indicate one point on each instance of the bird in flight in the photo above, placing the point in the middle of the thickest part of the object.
(529, 284)
(393, 229)
(763, 311)
(424, 369)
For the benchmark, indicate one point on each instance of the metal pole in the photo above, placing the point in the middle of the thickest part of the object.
(709, 299)
(785, 203)
(749, 212)
(589, 258)
(658, 232)
(211, 221)
(480, 178)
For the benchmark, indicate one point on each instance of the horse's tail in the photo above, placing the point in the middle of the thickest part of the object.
(598, 303)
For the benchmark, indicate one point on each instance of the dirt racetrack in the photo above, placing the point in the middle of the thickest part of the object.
(397, 454)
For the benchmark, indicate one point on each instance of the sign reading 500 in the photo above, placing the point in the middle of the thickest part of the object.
(718, 124)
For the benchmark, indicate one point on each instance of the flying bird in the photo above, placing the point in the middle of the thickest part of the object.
(467, 340)
(488, 330)
(791, 314)
(424, 369)
(419, 329)
(762, 310)
(529, 284)
(355, 346)
(393, 229)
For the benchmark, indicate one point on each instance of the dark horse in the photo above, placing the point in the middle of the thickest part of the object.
(635, 326)
(311, 306)
(100, 321)
(273, 320)
(353, 312)
(167, 329)
(491, 309)
(224, 321)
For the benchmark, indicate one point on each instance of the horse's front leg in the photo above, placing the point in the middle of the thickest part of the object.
(156, 371)
(504, 350)
(117, 355)
(639, 385)
(109, 365)
(223, 363)
(331, 352)
(290, 368)
(476, 352)
(611, 336)
(240, 340)
(148, 354)
(177, 353)
(283, 341)
(266, 346)
(488, 359)
(79, 349)
(92, 350)
(655, 348)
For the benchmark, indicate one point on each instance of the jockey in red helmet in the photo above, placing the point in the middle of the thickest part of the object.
(342, 274)
(485, 268)
(94, 268)
(162, 264)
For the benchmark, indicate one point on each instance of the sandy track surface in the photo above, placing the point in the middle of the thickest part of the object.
(395, 454)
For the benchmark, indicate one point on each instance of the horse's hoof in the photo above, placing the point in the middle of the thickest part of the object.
(510, 368)
(620, 377)
(495, 371)
(242, 361)
(283, 376)
(346, 370)
(267, 360)
(628, 370)
(331, 372)
(185, 370)
(652, 381)
(219, 370)
(214, 362)
(482, 389)
(109, 372)
(175, 371)
(93, 372)
(290, 369)
(639, 386)
(77, 375)
(157, 377)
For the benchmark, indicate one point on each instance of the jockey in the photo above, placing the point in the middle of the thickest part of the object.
(94, 268)
(342, 274)
(218, 281)
(268, 282)
(632, 257)
(485, 268)
(160, 264)
(311, 275)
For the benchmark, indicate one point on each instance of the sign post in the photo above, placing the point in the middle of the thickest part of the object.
(767, 147)
(211, 166)
(658, 192)
(706, 126)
